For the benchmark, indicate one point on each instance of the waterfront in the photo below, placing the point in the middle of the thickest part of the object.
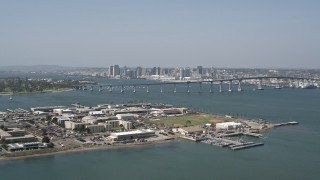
(290, 152)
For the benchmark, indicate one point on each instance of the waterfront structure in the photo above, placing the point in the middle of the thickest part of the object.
(137, 134)
(25, 146)
(20, 139)
(191, 130)
(228, 125)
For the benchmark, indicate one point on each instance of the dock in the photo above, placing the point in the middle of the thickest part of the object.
(233, 145)
(257, 135)
(246, 146)
(286, 124)
(196, 139)
(253, 134)
(230, 134)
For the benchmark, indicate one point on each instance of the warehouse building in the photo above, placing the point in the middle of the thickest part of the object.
(137, 134)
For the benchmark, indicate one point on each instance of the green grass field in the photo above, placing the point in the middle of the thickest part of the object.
(200, 119)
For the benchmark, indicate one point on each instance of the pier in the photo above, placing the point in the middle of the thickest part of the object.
(246, 146)
(286, 124)
(232, 144)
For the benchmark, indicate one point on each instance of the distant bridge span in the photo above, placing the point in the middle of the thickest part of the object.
(174, 83)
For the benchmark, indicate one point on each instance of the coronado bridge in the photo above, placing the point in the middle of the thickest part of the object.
(132, 87)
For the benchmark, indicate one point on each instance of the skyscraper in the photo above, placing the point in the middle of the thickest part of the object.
(110, 71)
(116, 70)
(139, 71)
(200, 70)
(158, 71)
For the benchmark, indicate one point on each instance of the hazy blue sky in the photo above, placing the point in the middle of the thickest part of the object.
(238, 33)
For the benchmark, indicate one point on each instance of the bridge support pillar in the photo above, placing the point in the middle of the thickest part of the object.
(221, 88)
(239, 86)
(260, 84)
(147, 88)
(230, 86)
(161, 91)
(211, 88)
(134, 89)
(277, 84)
(110, 88)
(188, 87)
(175, 88)
(100, 88)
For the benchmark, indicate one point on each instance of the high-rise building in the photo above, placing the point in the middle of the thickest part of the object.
(158, 71)
(200, 70)
(124, 72)
(187, 72)
(131, 74)
(139, 71)
(110, 70)
(116, 70)
(181, 73)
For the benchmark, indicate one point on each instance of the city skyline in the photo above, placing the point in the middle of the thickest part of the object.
(228, 34)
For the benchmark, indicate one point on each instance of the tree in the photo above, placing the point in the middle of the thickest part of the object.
(45, 139)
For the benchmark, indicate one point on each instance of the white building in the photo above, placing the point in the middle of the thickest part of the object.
(60, 111)
(127, 117)
(24, 146)
(137, 134)
(228, 125)
(89, 119)
(61, 119)
(73, 125)
(126, 124)
(191, 130)
(96, 113)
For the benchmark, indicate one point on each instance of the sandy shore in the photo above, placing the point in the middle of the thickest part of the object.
(84, 149)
